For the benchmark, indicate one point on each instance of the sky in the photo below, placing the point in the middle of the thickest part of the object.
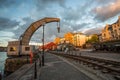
(86, 16)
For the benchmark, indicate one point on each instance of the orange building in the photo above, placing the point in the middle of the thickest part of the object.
(57, 40)
(68, 37)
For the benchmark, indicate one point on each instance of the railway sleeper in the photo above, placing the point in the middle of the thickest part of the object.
(102, 66)
(80, 62)
(105, 70)
(97, 64)
(102, 60)
(96, 68)
(117, 77)
(90, 65)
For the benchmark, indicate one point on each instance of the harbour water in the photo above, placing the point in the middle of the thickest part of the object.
(3, 57)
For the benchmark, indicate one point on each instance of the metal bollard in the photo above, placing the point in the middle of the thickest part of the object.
(35, 71)
(27, 58)
(0, 76)
(40, 60)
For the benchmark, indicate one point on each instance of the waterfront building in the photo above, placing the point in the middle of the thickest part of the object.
(111, 32)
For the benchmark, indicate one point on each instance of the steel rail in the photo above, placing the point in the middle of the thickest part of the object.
(101, 63)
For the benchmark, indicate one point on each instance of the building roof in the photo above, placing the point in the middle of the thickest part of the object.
(78, 33)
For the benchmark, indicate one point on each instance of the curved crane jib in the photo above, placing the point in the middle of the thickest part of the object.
(34, 26)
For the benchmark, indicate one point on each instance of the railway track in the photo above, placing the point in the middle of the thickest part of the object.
(106, 66)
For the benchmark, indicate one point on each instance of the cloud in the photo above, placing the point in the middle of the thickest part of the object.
(5, 37)
(107, 11)
(43, 4)
(9, 3)
(37, 36)
(70, 14)
(4, 3)
(75, 14)
(21, 28)
(103, 2)
(74, 17)
(6, 34)
(96, 30)
(50, 31)
(6, 24)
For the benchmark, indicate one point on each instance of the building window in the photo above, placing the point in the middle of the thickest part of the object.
(104, 35)
(12, 49)
(27, 48)
(115, 31)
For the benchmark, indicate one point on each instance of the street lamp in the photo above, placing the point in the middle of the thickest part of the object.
(43, 46)
(58, 28)
(20, 45)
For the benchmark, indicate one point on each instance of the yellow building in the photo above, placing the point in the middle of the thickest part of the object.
(115, 31)
(106, 33)
(111, 32)
(62, 40)
(79, 39)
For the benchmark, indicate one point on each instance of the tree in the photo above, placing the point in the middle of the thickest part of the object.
(93, 39)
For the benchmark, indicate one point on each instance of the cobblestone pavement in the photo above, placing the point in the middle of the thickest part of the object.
(57, 69)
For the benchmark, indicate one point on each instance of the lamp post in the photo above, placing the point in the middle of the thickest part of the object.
(20, 46)
(58, 28)
(43, 47)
